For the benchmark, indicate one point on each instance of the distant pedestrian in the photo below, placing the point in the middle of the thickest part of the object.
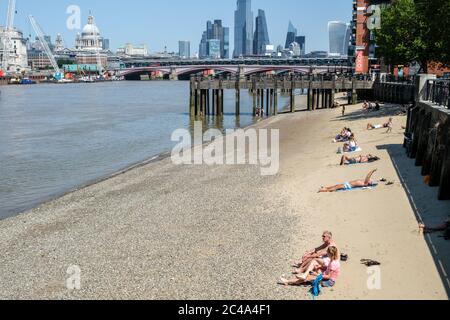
(343, 110)
(350, 97)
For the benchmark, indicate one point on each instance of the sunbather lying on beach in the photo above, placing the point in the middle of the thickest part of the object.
(330, 273)
(352, 184)
(317, 253)
(359, 159)
(389, 125)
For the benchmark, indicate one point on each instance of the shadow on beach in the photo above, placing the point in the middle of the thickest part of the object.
(387, 110)
(426, 206)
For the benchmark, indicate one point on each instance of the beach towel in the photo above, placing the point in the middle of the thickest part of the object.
(315, 290)
(349, 188)
(356, 150)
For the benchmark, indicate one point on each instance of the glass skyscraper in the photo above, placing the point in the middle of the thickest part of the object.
(261, 39)
(243, 29)
(291, 34)
(301, 40)
(184, 49)
(215, 31)
(339, 38)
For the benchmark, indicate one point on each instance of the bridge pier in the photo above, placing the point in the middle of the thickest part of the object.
(238, 100)
(207, 95)
(173, 74)
(275, 101)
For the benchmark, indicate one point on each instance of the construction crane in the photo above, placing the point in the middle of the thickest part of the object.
(40, 34)
(7, 34)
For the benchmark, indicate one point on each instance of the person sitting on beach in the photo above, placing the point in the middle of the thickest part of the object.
(443, 227)
(317, 253)
(344, 136)
(351, 145)
(367, 182)
(330, 274)
(359, 159)
(389, 125)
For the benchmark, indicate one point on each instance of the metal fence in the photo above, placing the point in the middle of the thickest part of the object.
(438, 92)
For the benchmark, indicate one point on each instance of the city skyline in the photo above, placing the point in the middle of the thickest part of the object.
(139, 28)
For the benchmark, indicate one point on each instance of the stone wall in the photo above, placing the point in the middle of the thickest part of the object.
(428, 141)
(400, 93)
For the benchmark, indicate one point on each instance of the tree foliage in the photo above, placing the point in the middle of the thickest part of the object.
(415, 31)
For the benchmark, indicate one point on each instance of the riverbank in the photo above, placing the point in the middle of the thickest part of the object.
(162, 231)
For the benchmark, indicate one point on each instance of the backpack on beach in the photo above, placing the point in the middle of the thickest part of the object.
(315, 290)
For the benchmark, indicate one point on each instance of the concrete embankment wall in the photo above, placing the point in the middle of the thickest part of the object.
(428, 142)
(401, 93)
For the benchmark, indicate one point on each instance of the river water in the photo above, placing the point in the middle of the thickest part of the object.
(55, 138)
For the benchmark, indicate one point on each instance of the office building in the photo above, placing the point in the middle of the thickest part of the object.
(215, 31)
(291, 34)
(339, 38)
(243, 29)
(261, 38)
(184, 49)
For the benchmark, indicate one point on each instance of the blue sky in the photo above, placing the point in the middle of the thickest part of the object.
(163, 23)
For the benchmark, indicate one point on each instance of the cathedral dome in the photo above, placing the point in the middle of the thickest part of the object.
(90, 29)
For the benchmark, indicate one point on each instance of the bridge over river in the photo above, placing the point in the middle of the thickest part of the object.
(183, 69)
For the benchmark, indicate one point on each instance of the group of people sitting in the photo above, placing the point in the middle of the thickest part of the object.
(344, 136)
(347, 136)
(369, 106)
(323, 261)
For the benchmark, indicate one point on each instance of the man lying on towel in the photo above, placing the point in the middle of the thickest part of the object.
(347, 186)
(359, 159)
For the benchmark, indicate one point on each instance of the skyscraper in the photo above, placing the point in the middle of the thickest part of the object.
(291, 34)
(261, 39)
(301, 40)
(184, 49)
(339, 38)
(215, 31)
(243, 28)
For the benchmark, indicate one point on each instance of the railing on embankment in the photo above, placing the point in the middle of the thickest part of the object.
(428, 133)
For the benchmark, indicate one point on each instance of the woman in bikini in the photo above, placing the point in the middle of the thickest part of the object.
(388, 125)
(360, 159)
(352, 184)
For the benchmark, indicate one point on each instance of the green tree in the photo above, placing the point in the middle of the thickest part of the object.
(415, 31)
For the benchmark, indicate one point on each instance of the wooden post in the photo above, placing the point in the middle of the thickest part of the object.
(197, 102)
(192, 100)
(213, 106)
(207, 102)
(261, 99)
(219, 104)
(238, 100)
(275, 102)
(254, 99)
(317, 99)
(292, 100)
(271, 102)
